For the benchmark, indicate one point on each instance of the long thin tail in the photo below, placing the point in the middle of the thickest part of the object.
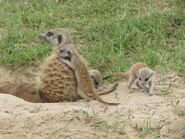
(107, 90)
(103, 92)
(23, 90)
(118, 75)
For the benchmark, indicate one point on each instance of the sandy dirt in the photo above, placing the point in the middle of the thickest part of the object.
(138, 116)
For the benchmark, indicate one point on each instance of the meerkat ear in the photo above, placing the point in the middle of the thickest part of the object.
(60, 38)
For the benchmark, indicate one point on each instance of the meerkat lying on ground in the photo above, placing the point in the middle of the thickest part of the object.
(141, 73)
(85, 88)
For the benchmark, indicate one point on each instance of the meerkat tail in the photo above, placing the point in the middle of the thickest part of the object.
(96, 95)
(118, 74)
(106, 91)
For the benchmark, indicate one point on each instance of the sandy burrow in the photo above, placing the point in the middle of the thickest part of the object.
(137, 111)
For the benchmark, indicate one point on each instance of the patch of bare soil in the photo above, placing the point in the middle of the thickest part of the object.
(138, 116)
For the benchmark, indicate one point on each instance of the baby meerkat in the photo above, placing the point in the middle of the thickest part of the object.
(96, 78)
(57, 36)
(141, 73)
(85, 88)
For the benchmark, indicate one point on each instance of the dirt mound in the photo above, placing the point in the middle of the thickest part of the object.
(138, 115)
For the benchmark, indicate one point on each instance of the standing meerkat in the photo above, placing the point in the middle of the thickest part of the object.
(85, 88)
(56, 80)
(62, 36)
(141, 73)
(96, 78)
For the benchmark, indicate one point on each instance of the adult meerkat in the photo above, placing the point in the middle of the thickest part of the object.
(141, 73)
(85, 88)
(56, 80)
(96, 78)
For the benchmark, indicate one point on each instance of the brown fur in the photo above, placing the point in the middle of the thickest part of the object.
(70, 56)
(56, 81)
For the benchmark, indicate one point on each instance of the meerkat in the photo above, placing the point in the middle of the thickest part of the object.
(85, 88)
(62, 36)
(96, 78)
(139, 72)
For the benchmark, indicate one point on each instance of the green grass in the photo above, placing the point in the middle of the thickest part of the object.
(122, 31)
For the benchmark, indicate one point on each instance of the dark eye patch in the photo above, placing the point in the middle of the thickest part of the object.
(62, 50)
(49, 33)
(140, 78)
(146, 79)
(60, 37)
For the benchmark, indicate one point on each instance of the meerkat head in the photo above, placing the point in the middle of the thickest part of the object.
(96, 78)
(66, 52)
(145, 76)
(57, 36)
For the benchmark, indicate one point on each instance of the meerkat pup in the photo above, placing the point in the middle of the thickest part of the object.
(140, 73)
(57, 36)
(96, 78)
(85, 88)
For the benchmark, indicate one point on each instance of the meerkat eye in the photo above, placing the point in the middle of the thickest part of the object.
(60, 37)
(146, 79)
(49, 34)
(140, 78)
(69, 53)
(62, 50)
